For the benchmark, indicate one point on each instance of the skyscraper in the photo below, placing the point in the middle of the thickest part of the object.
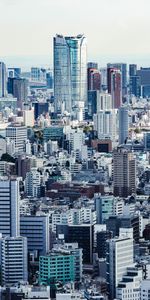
(9, 207)
(123, 124)
(3, 80)
(18, 87)
(124, 172)
(123, 69)
(114, 83)
(70, 74)
(94, 79)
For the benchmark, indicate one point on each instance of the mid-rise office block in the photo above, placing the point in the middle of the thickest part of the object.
(18, 134)
(13, 258)
(9, 207)
(119, 258)
(36, 229)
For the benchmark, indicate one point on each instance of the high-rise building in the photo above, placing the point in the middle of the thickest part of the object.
(132, 70)
(40, 108)
(70, 74)
(13, 260)
(124, 172)
(18, 87)
(123, 69)
(101, 242)
(14, 72)
(18, 134)
(104, 206)
(3, 80)
(119, 257)
(123, 124)
(135, 85)
(114, 83)
(105, 124)
(94, 79)
(9, 207)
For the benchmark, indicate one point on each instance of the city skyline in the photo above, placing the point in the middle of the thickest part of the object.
(28, 27)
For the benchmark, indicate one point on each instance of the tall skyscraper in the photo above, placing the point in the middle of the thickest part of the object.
(18, 134)
(132, 70)
(105, 124)
(124, 172)
(119, 257)
(114, 83)
(9, 207)
(123, 124)
(94, 79)
(123, 69)
(70, 74)
(3, 80)
(18, 87)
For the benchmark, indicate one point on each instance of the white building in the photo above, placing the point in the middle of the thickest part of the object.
(105, 123)
(18, 134)
(129, 287)
(145, 289)
(119, 258)
(104, 102)
(28, 117)
(13, 258)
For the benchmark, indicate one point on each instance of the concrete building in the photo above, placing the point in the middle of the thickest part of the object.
(123, 124)
(36, 229)
(13, 258)
(119, 257)
(145, 289)
(105, 124)
(9, 207)
(124, 172)
(18, 134)
(3, 80)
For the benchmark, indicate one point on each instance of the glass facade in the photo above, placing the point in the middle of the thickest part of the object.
(70, 73)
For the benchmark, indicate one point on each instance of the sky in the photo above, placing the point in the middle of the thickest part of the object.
(116, 30)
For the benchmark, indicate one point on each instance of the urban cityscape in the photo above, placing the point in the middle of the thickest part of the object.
(75, 177)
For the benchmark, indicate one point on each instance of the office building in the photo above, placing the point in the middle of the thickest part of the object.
(114, 83)
(38, 74)
(144, 74)
(36, 229)
(124, 172)
(83, 234)
(18, 87)
(53, 133)
(40, 108)
(18, 134)
(9, 207)
(132, 70)
(33, 183)
(105, 124)
(94, 79)
(14, 72)
(145, 289)
(56, 266)
(101, 242)
(123, 124)
(135, 85)
(3, 80)
(70, 74)
(114, 223)
(147, 141)
(123, 69)
(104, 206)
(13, 258)
(119, 258)
(28, 117)
(130, 285)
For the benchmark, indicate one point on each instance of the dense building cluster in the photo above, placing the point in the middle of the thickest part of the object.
(75, 179)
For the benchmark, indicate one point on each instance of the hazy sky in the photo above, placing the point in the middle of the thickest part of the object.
(115, 29)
